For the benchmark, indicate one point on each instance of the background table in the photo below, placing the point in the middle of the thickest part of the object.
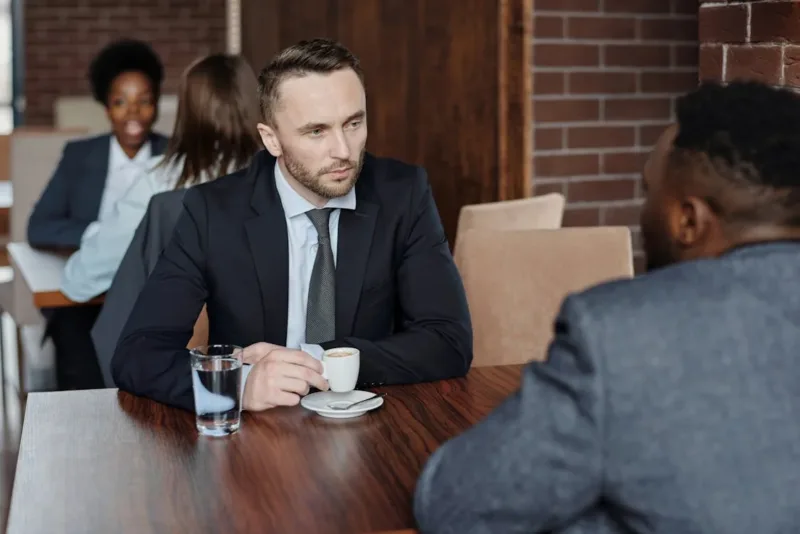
(41, 271)
(104, 461)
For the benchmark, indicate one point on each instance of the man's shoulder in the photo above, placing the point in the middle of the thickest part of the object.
(390, 180)
(235, 188)
(390, 171)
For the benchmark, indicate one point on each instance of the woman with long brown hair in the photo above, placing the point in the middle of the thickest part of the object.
(215, 134)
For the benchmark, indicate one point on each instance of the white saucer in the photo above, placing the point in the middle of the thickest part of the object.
(318, 402)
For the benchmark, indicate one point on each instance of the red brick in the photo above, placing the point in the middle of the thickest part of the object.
(723, 24)
(567, 5)
(601, 136)
(622, 215)
(566, 55)
(601, 28)
(566, 110)
(711, 63)
(648, 135)
(601, 190)
(546, 26)
(636, 55)
(602, 82)
(792, 66)
(581, 217)
(566, 165)
(761, 63)
(668, 82)
(62, 36)
(674, 30)
(637, 7)
(775, 21)
(548, 83)
(548, 138)
(685, 56)
(638, 108)
(540, 189)
(624, 162)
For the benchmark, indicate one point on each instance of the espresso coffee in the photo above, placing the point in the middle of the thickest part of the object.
(340, 353)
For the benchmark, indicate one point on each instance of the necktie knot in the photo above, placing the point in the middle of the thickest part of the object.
(320, 219)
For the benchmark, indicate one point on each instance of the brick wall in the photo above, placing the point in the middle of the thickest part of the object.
(750, 40)
(606, 75)
(62, 36)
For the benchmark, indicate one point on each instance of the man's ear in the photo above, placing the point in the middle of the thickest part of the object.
(270, 139)
(697, 222)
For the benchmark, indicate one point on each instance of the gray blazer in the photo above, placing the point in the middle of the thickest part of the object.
(150, 238)
(670, 404)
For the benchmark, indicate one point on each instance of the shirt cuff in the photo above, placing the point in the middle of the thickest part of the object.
(90, 230)
(314, 350)
(246, 368)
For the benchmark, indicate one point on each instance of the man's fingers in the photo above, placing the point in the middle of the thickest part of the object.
(292, 385)
(257, 352)
(297, 357)
(305, 374)
(285, 398)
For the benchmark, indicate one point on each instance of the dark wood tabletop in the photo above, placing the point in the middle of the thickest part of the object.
(106, 461)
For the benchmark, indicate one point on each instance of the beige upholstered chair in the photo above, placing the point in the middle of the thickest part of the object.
(35, 153)
(543, 212)
(516, 281)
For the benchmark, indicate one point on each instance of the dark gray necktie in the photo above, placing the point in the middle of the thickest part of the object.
(321, 307)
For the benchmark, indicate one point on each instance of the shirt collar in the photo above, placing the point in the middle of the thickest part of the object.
(294, 204)
(118, 159)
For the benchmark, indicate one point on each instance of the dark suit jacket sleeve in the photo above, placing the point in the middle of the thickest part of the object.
(121, 297)
(434, 340)
(50, 224)
(533, 464)
(151, 359)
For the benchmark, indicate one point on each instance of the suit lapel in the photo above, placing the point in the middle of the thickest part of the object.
(97, 162)
(158, 144)
(355, 239)
(269, 247)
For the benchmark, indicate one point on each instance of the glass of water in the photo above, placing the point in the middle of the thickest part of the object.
(217, 383)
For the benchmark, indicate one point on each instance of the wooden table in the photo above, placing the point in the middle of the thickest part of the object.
(105, 461)
(42, 271)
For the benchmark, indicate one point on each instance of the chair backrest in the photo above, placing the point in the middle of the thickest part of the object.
(35, 153)
(543, 212)
(84, 112)
(516, 281)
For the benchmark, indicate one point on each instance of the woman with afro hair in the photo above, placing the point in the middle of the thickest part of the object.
(93, 173)
(92, 176)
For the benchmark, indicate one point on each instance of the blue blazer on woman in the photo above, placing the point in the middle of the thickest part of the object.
(71, 200)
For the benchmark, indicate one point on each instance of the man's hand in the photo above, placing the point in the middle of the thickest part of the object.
(279, 376)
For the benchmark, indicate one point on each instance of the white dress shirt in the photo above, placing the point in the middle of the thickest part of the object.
(90, 270)
(303, 243)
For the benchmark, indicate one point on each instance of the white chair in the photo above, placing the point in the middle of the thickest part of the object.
(34, 155)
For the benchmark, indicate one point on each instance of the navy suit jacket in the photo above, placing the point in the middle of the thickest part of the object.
(399, 297)
(71, 200)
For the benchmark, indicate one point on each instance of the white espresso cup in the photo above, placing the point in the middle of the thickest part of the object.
(340, 368)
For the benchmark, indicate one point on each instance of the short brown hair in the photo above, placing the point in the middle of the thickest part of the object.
(216, 126)
(317, 55)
